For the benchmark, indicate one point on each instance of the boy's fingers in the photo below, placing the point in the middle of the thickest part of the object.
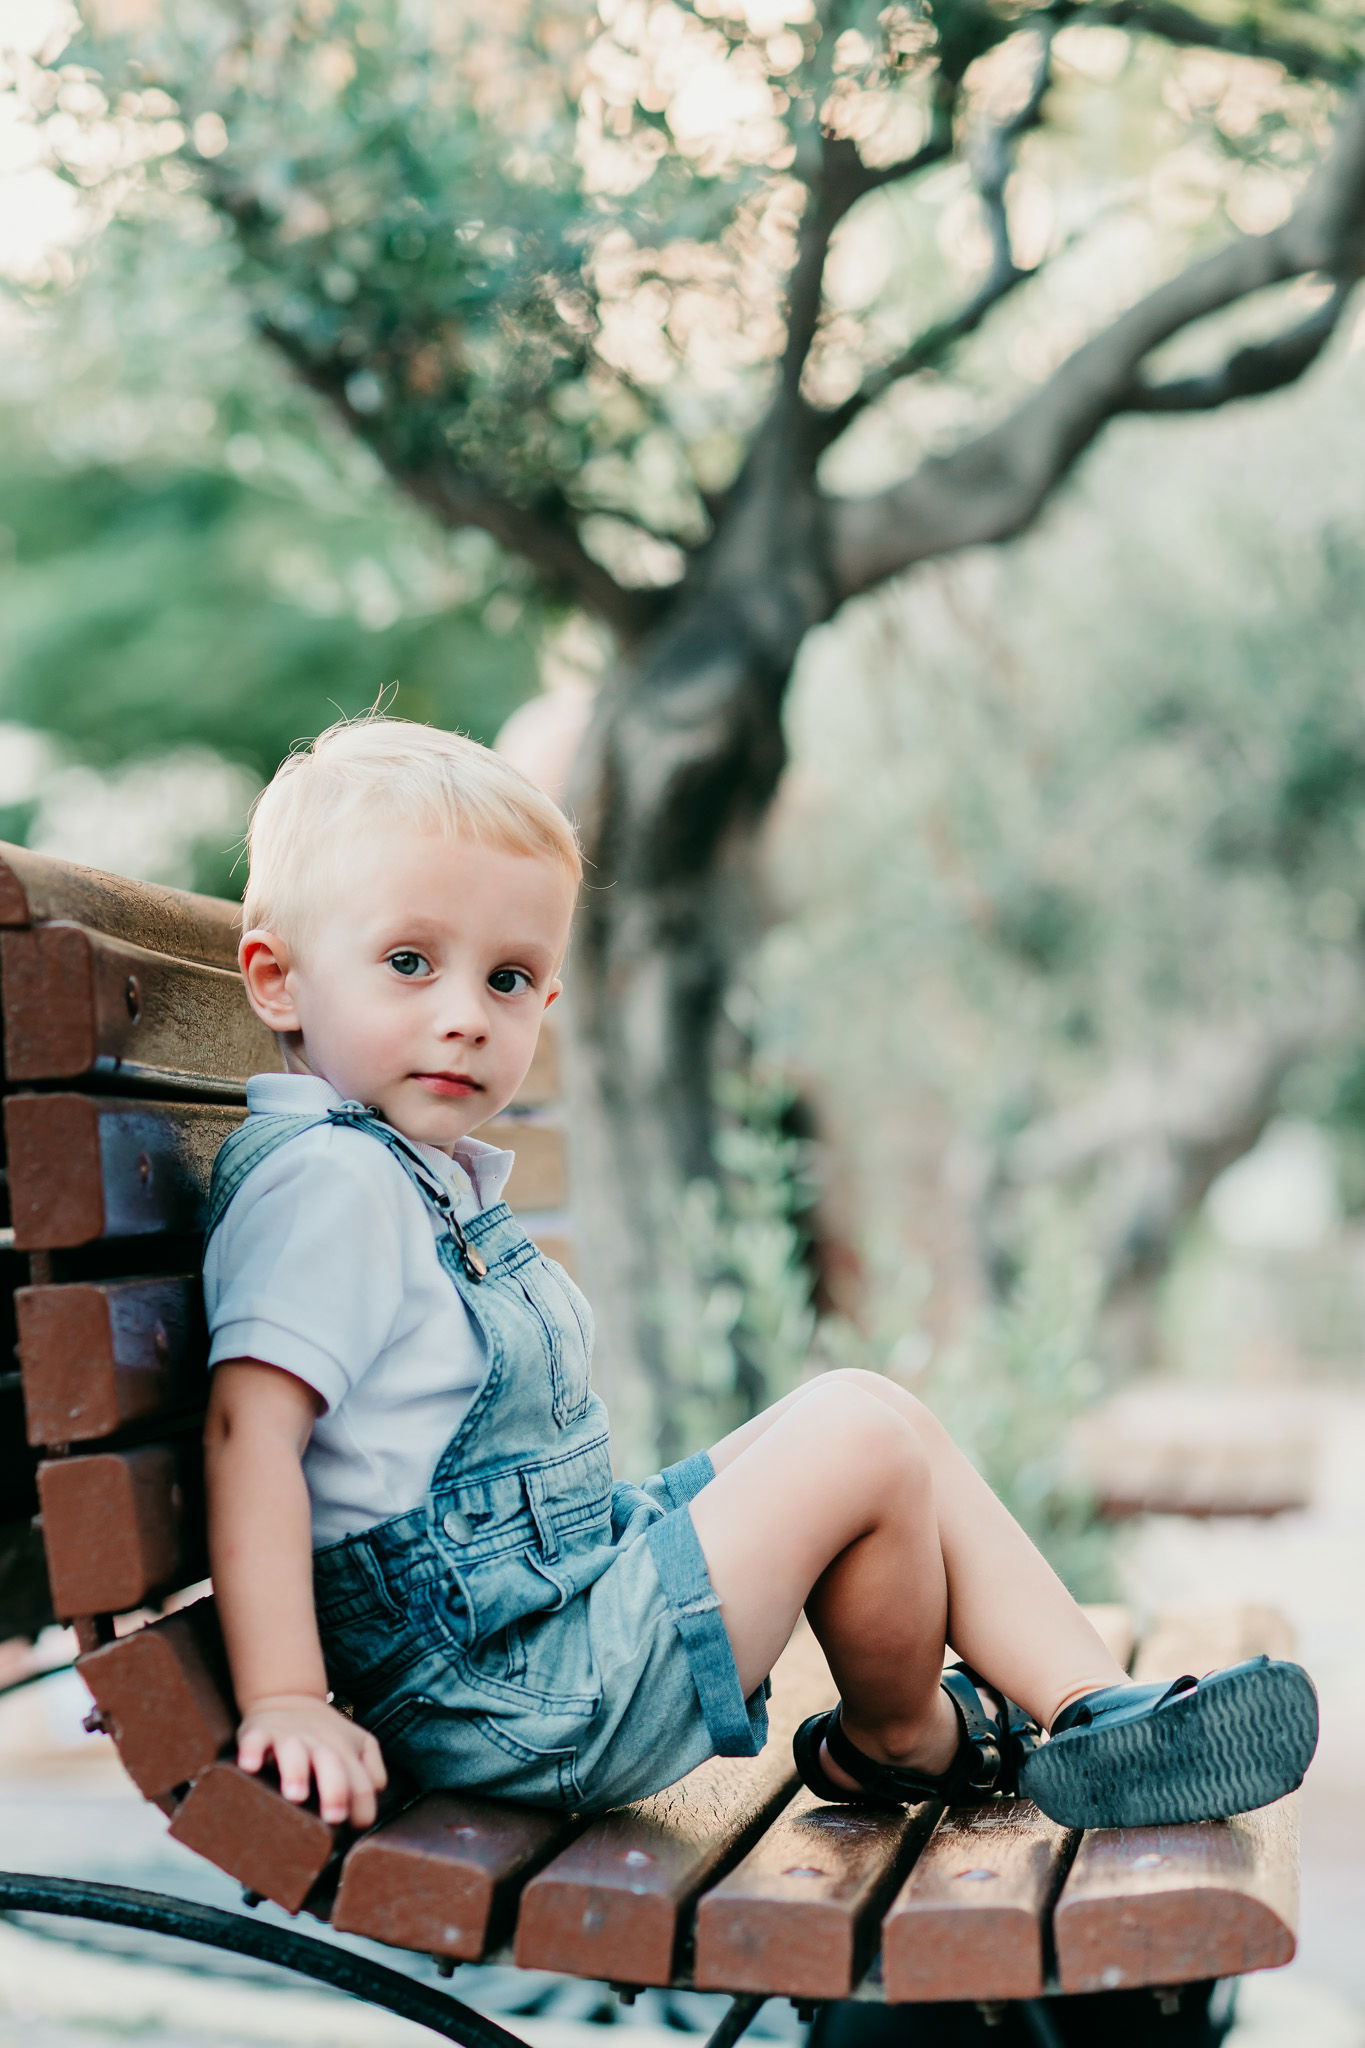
(363, 1803)
(334, 1789)
(372, 1758)
(292, 1762)
(250, 1751)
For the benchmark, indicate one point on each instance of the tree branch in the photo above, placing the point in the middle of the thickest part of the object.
(992, 160)
(1251, 371)
(991, 487)
(842, 181)
(1151, 1142)
(1240, 39)
(543, 536)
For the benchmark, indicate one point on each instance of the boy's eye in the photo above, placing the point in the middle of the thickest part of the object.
(509, 981)
(409, 964)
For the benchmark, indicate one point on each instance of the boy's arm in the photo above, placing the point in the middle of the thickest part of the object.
(260, 1547)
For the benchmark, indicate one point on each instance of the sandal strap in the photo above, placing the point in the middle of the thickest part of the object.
(806, 1745)
(1115, 1703)
(896, 1782)
(1013, 1732)
(989, 1753)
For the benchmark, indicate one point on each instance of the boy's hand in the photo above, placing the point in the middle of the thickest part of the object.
(311, 1741)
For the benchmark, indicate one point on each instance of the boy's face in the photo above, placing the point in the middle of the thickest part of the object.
(422, 989)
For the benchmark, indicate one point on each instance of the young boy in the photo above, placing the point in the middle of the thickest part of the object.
(410, 1494)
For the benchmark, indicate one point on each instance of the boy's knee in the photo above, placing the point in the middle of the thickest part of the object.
(884, 1439)
(888, 1394)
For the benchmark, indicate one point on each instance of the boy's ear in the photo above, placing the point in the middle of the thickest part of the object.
(264, 960)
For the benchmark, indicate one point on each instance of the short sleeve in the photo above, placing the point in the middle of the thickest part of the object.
(304, 1271)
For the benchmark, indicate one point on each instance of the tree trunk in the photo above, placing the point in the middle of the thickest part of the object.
(673, 784)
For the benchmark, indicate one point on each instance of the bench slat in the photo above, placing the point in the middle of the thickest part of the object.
(164, 1696)
(539, 1180)
(798, 1916)
(613, 1903)
(77, 1003)
(96, 1355)
(37, 889)
(1200, 1636)
(442, 1878)
(84, 1167)
(969, 1920)
(1172, 1905)
(245, 1826)
(121, 1526)
(1176, 1905)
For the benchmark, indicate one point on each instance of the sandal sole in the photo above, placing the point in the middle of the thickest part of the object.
(1242, 1739)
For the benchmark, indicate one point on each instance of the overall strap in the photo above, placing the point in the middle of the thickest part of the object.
(419, 1173)
(264, 1132)
(248, 1145)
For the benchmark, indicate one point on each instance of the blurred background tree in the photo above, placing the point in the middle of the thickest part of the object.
(703, 323)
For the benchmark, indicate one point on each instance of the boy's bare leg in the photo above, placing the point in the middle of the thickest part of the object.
(848, 1498)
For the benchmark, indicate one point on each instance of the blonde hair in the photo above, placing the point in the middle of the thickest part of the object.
(377, 770)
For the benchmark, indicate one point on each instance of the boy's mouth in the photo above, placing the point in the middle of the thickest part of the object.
(450, 1084)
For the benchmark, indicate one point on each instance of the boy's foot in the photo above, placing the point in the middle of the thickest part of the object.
(1201, 1749)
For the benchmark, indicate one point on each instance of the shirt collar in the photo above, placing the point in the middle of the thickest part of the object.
(476, 1166)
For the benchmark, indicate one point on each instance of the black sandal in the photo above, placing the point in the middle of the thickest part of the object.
(1134, 1756)
(990, 1752)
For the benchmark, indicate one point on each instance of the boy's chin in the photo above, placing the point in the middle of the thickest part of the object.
(436, 1123)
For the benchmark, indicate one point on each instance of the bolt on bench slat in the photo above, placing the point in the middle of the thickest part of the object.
(121, 1526)
(969, 1921)
(96, 1355)
(799, 1915)
(37, 889)
(443, 1877)
(163, 1696)
(77, 1003)
(84, 1167)
(1211, 1899)
(613, 1904)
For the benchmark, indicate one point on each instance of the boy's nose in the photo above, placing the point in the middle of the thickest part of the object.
(467, 1021)
(470, 1030)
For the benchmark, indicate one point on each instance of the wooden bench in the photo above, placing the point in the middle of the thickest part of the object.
(126, 1044)
(1164, 1447)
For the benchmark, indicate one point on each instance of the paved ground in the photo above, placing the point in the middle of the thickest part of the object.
(65, 1808)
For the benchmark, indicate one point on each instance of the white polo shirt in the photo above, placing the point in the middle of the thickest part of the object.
(325, 1265)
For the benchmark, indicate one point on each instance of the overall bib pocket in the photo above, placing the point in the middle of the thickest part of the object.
(565, 1322)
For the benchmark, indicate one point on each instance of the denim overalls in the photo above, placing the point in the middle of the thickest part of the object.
(533, 1629)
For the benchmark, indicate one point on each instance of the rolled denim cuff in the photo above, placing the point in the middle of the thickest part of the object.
(680, 1483)
(736, 1726)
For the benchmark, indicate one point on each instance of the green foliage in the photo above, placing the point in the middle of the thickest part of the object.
(1010, 1387)
(147, 608)
(734, 1312)
(1010, 1382)
(739, 1331)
